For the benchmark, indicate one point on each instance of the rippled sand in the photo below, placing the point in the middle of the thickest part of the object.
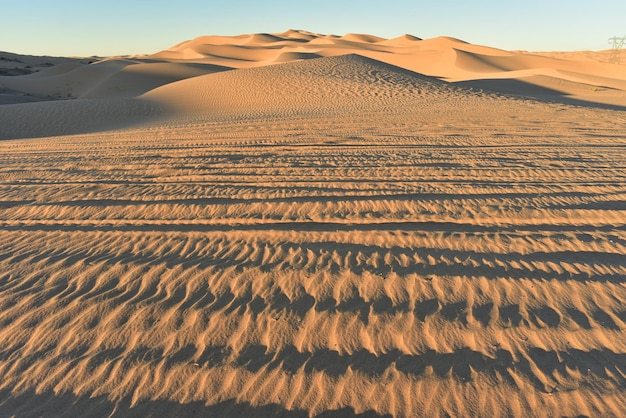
(330, 236)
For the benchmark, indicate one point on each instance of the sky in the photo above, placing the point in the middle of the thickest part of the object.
(125, 27)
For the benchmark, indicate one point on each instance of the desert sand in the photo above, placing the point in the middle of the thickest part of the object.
(303, 225)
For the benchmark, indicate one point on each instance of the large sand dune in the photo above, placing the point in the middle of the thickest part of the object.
(303, 225)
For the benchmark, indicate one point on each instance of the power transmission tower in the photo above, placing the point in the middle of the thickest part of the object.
(617, 44)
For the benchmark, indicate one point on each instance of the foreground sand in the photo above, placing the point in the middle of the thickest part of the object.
(335, 236)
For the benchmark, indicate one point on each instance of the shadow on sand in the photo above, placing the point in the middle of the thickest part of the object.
(49, 404)
(525, 90)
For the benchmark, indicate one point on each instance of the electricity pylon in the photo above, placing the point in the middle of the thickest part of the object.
(617, 44)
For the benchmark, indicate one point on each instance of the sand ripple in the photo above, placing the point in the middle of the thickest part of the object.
(309, 266)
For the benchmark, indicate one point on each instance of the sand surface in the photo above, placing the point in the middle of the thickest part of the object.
(305, 225)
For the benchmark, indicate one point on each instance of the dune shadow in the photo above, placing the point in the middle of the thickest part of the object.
(75, 116)
(522, 89)
(50, 404)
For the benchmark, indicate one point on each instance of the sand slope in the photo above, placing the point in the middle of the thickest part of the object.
(313, 87)
(334, 236)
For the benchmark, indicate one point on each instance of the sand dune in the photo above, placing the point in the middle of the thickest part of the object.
(444, 57)
(302, 225)
(322, 86)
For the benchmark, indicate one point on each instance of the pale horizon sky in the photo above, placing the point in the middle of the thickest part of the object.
(125, 27)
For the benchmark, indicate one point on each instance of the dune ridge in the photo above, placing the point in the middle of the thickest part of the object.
(306, 225)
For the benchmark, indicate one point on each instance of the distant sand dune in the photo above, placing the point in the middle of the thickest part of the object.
(443, 57)
(304, 225)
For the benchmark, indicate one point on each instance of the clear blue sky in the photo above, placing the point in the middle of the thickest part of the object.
(116, 27)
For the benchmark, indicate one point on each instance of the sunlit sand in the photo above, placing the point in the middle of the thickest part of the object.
(297, 224)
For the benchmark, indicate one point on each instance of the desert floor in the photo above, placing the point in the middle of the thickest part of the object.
(334, 236)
